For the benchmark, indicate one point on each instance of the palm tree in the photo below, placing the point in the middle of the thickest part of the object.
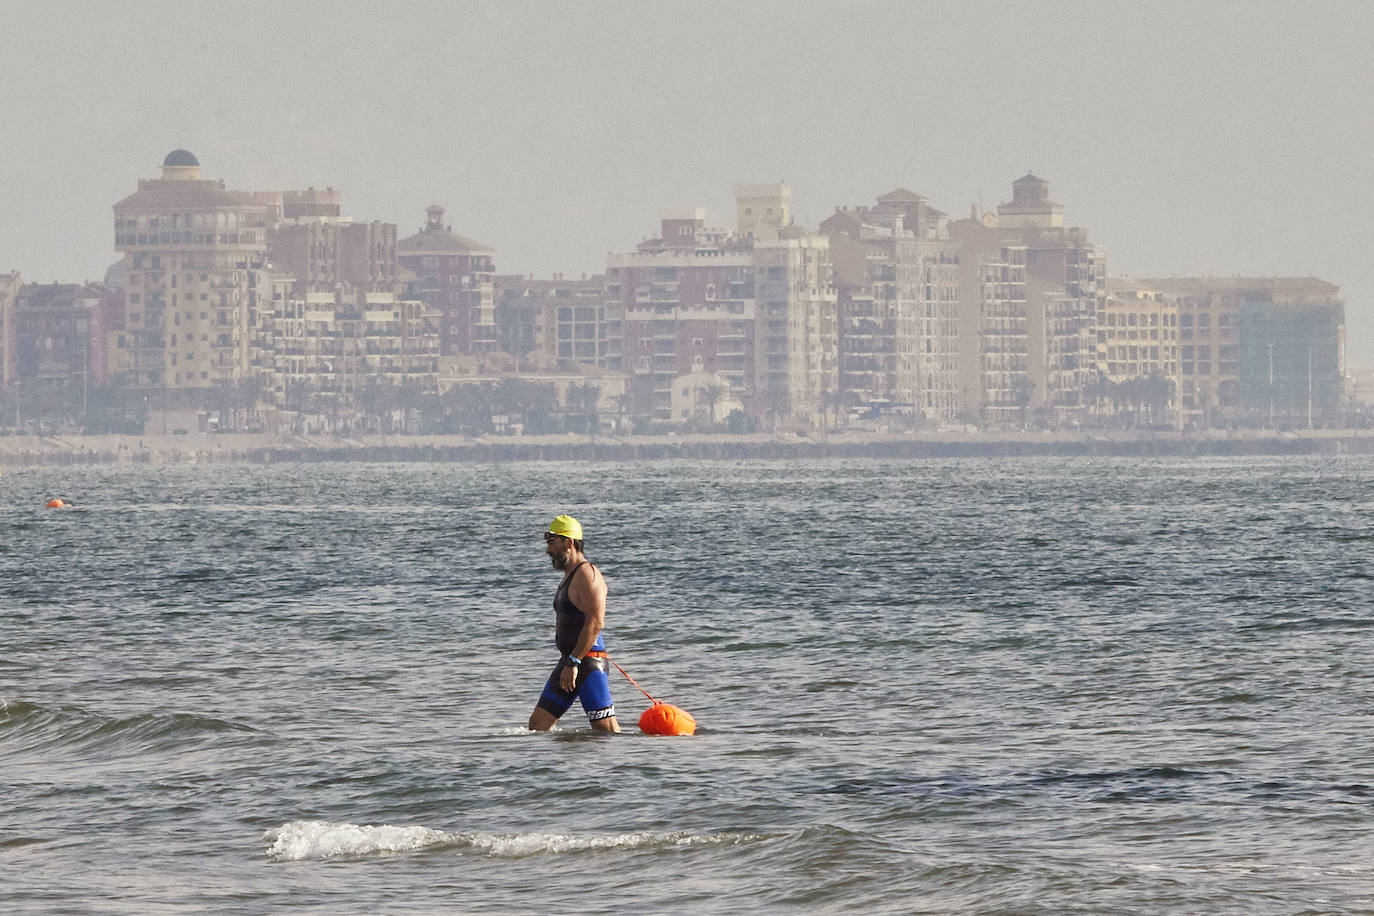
(711, 395)
(1022, 390)
(583, 399)
(1158, 392)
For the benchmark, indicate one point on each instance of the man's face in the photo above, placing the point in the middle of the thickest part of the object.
(559, 550)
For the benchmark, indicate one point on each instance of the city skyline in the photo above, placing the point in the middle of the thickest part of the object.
(1226, 140)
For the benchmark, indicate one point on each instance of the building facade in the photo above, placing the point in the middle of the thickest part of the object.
(1065, 273)
(195, 264)
(753, 308)
(455, 279)
(995, 387)
(1230, 331)
(325, 254)
(9, 292)
(560, 318)
(329, 350)
(60, 331)
(1137, 345)
(896, 284)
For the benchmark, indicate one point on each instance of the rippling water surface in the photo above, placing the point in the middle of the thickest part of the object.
(927, 686)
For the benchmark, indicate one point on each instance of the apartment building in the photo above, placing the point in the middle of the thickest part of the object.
(796, 362)
(686, 304)
(1258, 349)
(331, 347)
(1137, 332)
(1064, 276)
(324, 251)
(896, 284)
(9, 292)
(455, 279)
(562, 318)
(995, 386)
(195, 263)
(753, 309)
(1137, 342)
(59, 333)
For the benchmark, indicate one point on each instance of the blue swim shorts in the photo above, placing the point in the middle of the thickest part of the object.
(593, 690)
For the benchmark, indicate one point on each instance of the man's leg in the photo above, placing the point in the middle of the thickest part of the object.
(553, 702)
(608, 724)
(595, 695)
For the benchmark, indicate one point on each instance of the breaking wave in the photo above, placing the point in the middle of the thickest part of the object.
(300, 840)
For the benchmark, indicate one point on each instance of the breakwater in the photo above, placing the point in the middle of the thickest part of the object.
(22, 451)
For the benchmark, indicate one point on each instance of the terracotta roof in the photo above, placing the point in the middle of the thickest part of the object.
(901, 194)
(439, 241)
(156, 194)
(1174, 284)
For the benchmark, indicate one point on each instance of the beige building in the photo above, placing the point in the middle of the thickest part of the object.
(1064, 275)
(762, 211)
(1137, 341)
(324, 254)
(328, 349)
(1137, 332)
(896, 279)
(755, 305)
(194, 256)
(492, 370)
(796, 373)
(558, 318)
(1212, 342)
(10, 285)
(995, 386)
(702, 396)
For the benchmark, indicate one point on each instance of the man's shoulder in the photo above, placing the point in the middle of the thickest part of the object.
(589, 572)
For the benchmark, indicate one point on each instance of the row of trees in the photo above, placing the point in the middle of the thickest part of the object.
(1135, 401)
(380, 406)
(47, 408)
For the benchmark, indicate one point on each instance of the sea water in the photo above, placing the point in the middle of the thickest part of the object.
(1041, 685)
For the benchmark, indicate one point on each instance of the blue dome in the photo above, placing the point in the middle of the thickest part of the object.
(181, 157)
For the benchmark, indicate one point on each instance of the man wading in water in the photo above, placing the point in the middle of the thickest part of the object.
(579, 608)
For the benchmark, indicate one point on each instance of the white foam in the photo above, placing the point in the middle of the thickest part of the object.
(300, 840)
(326, 840)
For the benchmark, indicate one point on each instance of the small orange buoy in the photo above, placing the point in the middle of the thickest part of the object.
(56, 504)
(666, 719)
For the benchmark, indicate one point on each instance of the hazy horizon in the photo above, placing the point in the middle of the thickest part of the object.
(1226, 138)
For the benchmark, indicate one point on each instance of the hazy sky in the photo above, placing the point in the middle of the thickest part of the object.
(1187, 137)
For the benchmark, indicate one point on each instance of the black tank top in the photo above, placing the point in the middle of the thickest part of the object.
(568, 620)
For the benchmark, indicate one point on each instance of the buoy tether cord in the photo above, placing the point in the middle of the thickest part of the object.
(661, 718)
(632, 680)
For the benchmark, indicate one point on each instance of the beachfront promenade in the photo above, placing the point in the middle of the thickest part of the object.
(212, 448)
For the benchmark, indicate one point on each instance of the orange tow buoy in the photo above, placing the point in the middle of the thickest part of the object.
(666, 719)
(56, 504)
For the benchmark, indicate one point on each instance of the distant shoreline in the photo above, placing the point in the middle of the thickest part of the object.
(159, 450)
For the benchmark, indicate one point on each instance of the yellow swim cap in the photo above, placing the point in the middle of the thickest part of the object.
(567, 526)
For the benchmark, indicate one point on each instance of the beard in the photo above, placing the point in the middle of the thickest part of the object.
(560, 560)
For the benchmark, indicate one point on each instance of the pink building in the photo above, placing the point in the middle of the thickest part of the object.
(454, 277)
